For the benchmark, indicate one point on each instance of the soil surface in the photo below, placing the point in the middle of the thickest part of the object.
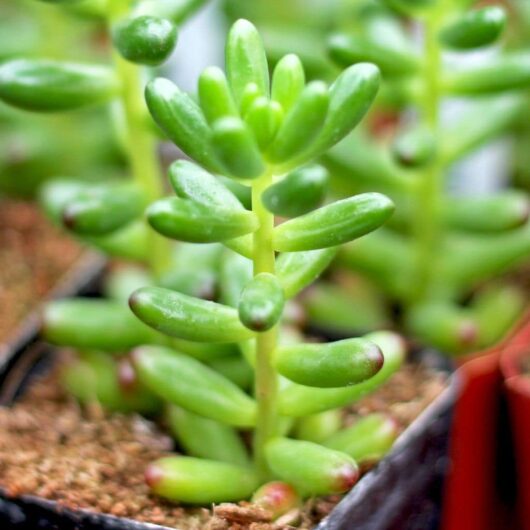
(33, 257)
(85, 458)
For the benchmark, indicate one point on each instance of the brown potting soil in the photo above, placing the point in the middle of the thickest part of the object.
(84, 458)
(33, 257)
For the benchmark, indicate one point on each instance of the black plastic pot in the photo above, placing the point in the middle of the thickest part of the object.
(402, 493)
(79, 279)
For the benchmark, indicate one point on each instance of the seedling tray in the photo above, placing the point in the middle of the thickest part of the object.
(402, 493)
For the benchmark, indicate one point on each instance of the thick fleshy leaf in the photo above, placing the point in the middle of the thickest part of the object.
(236, 148)
(185, 220)
(335, 364)
(90, 323)
(319, 427)
(188, 383)
(47, 86)
(288, 81)
(192, 431)
(311, 468)
(368, 439)
(297, 270)
(299, 192)
(102, 208)
(198, 481)
(302, 124)
(346, 50)
(185, 317)
(264, 117)
(261, 303)
(215, 96)
(145, 39)
(299, 400)
(334, 224)
(182, 120)
(277, 498)
(475, 28)
(246, 61)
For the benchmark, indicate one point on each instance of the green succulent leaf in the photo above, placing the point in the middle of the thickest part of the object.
(319, 427)
(368, 439)
(475, 29)
(299, 192)
(224, 443)
(145, 39)
(346, 50)
(297, 270)
(89, 323)
(182, 120)
(188, 318)
(246, 61)
(198, 481)
(488, 213)
(102, 208)
(47, 86)
(261, 303)
(311, 468)
(336, 364)
(264, 117)
(236, 148)
(334, 224)
(299, 400)
(186, 220)
(288, 81)
(215, 96)
(302, 124)
(188, 383)
(414, 147)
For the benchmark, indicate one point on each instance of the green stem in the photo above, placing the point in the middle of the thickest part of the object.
(428, 201)
(140, 144)
(266, 386)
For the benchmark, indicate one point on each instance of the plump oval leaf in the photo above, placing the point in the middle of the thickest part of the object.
(46, 86)
(224, 443)
(198, 481)
(145, 39)
(311, 468)
(90, 323)
(299, 192)
(302, 124)
(186, 220)
(214, 95)
(336, 364)
(368, 439)
(261, 303)
(334, 224)
(246, 61)
(236, 148)
(188, 383)
(288, 81)
(182, 316)
(299, 400)
(182, 120)
(102, 208)
(476, 28)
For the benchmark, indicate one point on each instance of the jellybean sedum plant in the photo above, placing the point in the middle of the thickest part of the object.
(441, 246)
(259, 134)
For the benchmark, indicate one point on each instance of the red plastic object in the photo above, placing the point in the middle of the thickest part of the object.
(470, 501)
(517, 388)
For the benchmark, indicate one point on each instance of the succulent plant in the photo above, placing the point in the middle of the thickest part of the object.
(440, 247)
(261, 134)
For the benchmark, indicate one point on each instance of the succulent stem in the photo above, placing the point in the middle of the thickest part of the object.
(427, 220)
(266, 377)
(140, 143)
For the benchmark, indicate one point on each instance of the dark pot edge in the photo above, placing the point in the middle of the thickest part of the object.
(76, 279)
(417, 432)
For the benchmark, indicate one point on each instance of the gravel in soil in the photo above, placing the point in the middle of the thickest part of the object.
(33, 256)
(85, 458)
